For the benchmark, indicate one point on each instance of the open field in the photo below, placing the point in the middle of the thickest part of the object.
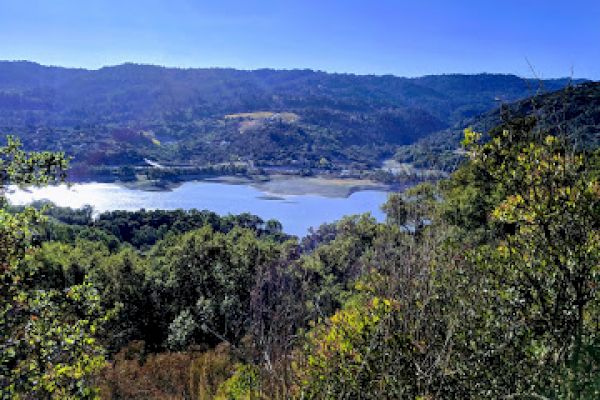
(284, 116)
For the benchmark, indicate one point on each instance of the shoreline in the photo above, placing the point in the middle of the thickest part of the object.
(273, 186)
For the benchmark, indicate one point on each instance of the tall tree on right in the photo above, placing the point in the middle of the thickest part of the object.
(535, 277)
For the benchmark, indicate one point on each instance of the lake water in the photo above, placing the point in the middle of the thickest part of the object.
(296, 212)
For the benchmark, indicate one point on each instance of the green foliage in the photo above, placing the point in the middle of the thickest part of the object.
(47, 343)
(54, 354)
(331, 269)
(114, 118)
(181, 330)
(573, 112)
(244, 384)
(28, 168)
(501, 303)
(482, 286)
(395, 209)
(393, 334)
(354, 355)
(542, 268)
(210, 275)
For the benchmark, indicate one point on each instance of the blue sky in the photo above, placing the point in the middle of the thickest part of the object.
(407, 38)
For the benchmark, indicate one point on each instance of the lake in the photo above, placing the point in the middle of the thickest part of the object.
(296, 212)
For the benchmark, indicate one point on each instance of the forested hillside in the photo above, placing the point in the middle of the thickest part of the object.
(117, 116)
(483, 285)
(573, 112)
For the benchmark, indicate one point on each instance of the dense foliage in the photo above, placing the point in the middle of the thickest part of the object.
(202, 120)
(48, 347)
(573, 112)
(483, 285)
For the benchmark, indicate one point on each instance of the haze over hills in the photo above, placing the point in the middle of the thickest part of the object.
(121, 115)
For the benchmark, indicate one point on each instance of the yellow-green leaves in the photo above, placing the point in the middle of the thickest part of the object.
(538, 267)
(349, 349)
(471, 138)
(47, 348)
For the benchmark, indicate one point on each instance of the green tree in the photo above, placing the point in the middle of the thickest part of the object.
(208, 276)
(395, 209)
(359, 353)
(534, 277)
(47, 344)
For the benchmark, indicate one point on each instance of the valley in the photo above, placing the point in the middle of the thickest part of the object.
(203, 123)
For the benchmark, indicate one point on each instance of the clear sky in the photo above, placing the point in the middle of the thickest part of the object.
(401, 37)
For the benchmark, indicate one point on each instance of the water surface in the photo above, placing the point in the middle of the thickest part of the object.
(296, 212)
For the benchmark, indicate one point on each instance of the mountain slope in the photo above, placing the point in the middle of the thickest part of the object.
(120, 115)
(573, 112)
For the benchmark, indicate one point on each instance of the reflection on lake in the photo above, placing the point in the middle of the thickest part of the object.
(296, 212)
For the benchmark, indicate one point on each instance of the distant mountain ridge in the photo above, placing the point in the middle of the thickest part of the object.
(67, 88)
(120, 115)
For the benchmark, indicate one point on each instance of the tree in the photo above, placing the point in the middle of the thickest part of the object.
(209, 277)
(502, 303)
(47, 344)
(360, 353)
(395, 209)
(538, 270)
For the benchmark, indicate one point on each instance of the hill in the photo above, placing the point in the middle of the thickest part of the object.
(119, 116)
(574, 109)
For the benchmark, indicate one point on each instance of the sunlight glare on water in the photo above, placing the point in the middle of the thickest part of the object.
(296, 212)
